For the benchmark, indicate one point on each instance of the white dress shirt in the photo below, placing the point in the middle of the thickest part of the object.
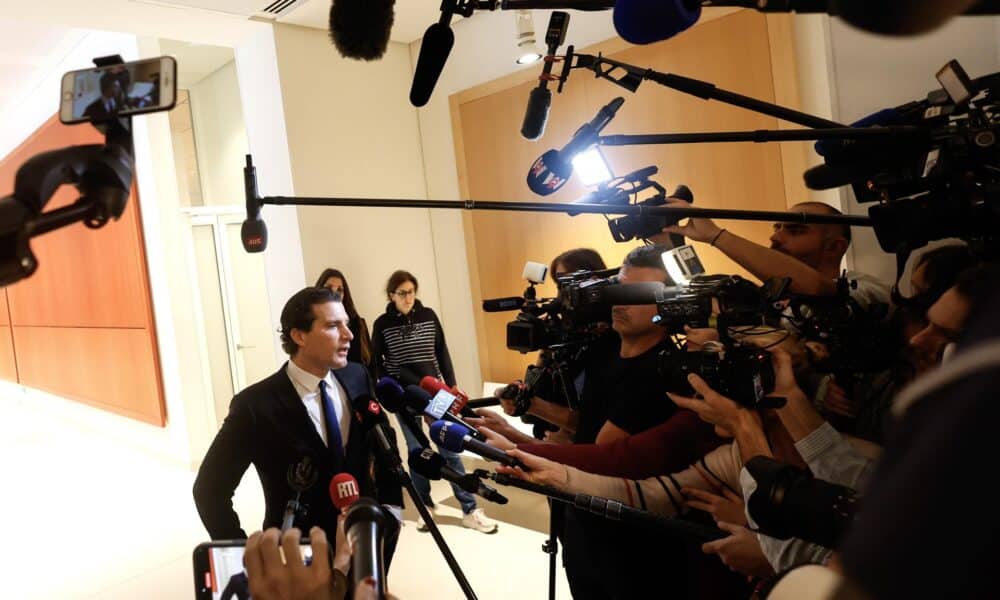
(307, 385)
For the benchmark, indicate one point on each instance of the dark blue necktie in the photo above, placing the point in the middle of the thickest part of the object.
(333, 440)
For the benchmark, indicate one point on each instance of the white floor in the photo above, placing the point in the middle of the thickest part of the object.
(87, 519)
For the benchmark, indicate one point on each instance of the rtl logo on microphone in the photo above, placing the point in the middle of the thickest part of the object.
(255, 242)
(346, 489)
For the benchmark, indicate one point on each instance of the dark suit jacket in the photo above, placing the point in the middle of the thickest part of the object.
(268, 427)
(96, 110)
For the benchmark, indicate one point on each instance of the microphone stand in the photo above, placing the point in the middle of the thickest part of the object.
(389, 452)
(612, 509)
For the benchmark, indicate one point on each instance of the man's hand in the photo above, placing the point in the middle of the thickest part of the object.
(740, 551)
(695, 339)
(272, 578)
(713, 407)
(837, 402)
(725, 508)
(495, 439)
(540, 470)
(561, 436)
(492, 420)
(342, 553)
(699, 230)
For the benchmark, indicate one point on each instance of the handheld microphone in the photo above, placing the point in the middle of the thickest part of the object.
(390, 393)
(431, 465)
(343, 491)
(432, 386)
(364, 527)
(253, 232)
(553, 168)
(436, 406)
(300, 477)
(456, 437)
(434, 50)
(360, 28)
(536, 113)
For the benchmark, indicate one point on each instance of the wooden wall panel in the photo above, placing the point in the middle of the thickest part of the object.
(732, 51)
(113, 369)
(85, 278)
(4, 315)
(83, 324)
(8, 366)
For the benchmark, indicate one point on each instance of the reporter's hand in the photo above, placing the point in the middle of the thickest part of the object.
(837, 402)
(740, 551)
(272, 578)
(784, 379)
(343, 552)
(508, 405)
(540, 470)
(560, 436)
(699, 230)
(727, 508)
(713, 408)
(492, 420)
(495, 439)
(695, 339)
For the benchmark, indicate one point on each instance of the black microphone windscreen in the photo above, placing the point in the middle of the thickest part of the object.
(360, 28)
(253, 234)
(645, 22)
(434, 50)
(826, 176)
(416, 398)
(426, 462)
(549, 173)
(536, 114)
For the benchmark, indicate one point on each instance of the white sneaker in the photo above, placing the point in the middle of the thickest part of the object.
(421, 526)
(478, 520)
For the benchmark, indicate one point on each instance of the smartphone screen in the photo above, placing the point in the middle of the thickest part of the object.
(219, 572)
(119, 90)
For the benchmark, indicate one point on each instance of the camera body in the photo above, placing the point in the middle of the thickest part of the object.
(742, 373)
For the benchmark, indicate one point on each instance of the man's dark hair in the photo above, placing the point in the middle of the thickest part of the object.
(107, 80)
(943, 266)
(397, 279)
(348, 301)
(978, 284)
(577, 259)
(845, 230)
(650, 257)
(298, 313)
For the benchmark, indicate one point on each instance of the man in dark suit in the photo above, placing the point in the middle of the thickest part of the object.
(109, 102)
(299, 428)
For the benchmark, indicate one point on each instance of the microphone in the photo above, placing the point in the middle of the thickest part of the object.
(343, 491)
(364, 526)
(436, 406)
(631, 294)
(300, 477)
(457, 437)
(390, 393)
(434, 50)
(360, 28)
(553, 168)
(503, 304)
(536, 113)
(431, 465)
(645, 22)
(253, 232)
(433, 386)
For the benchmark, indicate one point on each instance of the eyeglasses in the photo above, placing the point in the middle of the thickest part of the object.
(405, 293)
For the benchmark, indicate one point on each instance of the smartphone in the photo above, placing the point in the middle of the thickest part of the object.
(219, 572)
(132, 88)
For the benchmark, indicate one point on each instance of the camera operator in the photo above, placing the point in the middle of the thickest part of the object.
(808, 254)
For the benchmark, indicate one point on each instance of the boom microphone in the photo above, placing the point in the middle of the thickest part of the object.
(536, 114)
(253, 233)
(456, 437)
(360, 28)
(632, 294)
(552, 169)
(434, 51)
(645, 22)
(431, 465)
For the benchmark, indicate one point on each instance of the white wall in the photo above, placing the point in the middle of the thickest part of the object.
(872, 72)
(352, 133)
(220, 136)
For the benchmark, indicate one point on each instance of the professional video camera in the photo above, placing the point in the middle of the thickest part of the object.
(790, 502)
(938, 177)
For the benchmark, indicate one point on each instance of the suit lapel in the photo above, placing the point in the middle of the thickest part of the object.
(298, 421)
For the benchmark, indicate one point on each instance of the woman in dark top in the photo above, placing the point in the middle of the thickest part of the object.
(408, 344)
(361, 347)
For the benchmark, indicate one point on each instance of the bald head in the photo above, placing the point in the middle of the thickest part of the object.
(820, 246)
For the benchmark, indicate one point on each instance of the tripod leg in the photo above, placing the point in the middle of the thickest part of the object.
(551, 546)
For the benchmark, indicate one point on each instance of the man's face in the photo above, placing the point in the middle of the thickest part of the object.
(111, 89)
(327, 343)
(631, 321)
(808, 243)
(945, 320)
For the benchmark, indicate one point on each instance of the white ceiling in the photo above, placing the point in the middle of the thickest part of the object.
(412, 17)
(27, 52)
